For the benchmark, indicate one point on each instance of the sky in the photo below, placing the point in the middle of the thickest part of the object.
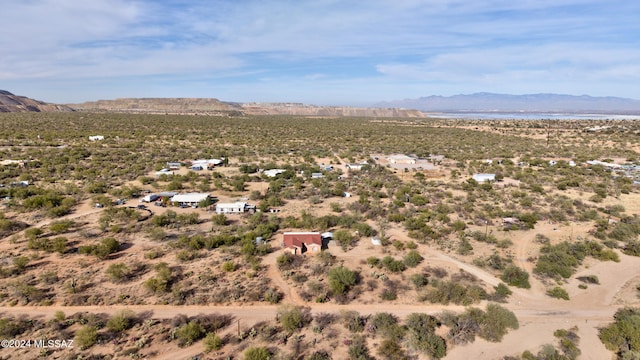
(324, 52)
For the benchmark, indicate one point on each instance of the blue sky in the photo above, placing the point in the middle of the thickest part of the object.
(327, 52)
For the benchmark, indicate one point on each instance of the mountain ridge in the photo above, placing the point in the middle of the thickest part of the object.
(541, 102)
(14, 103)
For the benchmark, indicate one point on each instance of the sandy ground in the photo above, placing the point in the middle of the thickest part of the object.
(539, 315)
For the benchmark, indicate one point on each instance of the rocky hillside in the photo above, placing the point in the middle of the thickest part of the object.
(216, 107)
(13, 103)
(313, 110)
(160, 106)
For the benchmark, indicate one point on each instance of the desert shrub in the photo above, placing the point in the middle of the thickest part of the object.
(623, 335)
(386, 325)
(86, 337)
(121, 321)
(212, 342)
(501, 293)
(10, 327)
(419, 280)
(20, 263)
(344, 237)
(293, 318)
(497, 321)
(589, 279)
(341, 280)
(421, 335)
(353, 321)
(392, 264)
(189, 333)
(118, 272)
(162, 281)
(391, 350)
(516, 276)
(445, 292)
(256, 353)
(413, 258)
(389, 294)
(358, 349)
(228, 266)
(558, 293)
(561, 260)
(106, 247)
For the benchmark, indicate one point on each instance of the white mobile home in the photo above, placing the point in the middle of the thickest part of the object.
(481, 178)
(190, 199)
(237, 207)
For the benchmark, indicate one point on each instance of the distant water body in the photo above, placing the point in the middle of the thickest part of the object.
(530, 116)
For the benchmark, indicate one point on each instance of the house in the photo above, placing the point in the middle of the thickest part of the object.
(401, 159)
(174, 165)
(190, 199)
(96, 138)
(482, 178)
(237, 207)
(273, 172)
(300, 242)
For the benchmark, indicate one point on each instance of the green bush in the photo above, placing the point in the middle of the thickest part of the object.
(293, 318)
(558, 293)
(516, 276)
(121, 321)
(623, 335)
(413, 258)
(189, 333)
(86, 337)
(341, 280)
(421, 335)
(118, 272)
(256, 353)
(212, 342)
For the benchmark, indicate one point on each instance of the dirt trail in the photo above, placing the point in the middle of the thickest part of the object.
(290, 295)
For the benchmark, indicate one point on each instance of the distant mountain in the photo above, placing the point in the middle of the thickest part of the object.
(211, 106)
(14, 103)
(488, 102)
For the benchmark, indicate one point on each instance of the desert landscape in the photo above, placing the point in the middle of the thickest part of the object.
(230, 235)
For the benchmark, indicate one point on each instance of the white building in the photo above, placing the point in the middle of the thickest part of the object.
(96, 138)
(237, 207)
(273, 172)
(401, 159)
(190, 199)
(481, 178)
(206, 163)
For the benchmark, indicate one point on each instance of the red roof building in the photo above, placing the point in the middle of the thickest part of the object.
(301, 242)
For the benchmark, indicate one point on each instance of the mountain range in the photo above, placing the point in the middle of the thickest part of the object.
(479, 102)
(543, 103)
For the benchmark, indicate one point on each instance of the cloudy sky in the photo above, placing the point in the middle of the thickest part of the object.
(340, 52)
